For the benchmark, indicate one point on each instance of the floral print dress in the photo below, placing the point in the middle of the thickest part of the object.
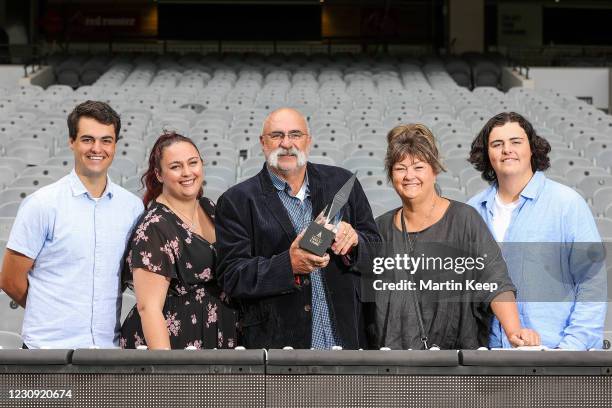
(196, 310)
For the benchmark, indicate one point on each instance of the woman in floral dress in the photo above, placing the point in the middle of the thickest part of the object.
(171, 256)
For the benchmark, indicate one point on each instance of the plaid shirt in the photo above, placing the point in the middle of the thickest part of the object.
(299, 209)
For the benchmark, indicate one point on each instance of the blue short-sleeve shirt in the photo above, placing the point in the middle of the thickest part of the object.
(77, 243)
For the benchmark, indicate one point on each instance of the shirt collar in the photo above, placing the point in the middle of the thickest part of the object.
(282, 185)
(78, 188)
(531, 191)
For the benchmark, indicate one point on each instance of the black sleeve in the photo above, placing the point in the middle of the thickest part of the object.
(240, 273)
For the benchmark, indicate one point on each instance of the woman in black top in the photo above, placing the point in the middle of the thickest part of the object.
(171, 256)
(443, 306)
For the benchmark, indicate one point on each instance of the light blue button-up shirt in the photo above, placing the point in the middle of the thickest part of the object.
(555, 260)
(78, 244)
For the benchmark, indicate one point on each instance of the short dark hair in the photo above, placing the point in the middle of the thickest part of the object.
(479, 155)
(100, 111)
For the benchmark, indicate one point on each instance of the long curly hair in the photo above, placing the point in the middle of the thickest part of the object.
(153, 187)
(479, 156)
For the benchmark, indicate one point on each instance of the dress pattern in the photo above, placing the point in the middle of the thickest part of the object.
(197, 312)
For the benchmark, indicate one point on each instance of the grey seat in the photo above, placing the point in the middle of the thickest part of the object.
(337, 138)
(608, 211)
(604, 226)
(7, 175)
(5, 227)
(595, 148)
(31, 155)
(604, 159)
(66, 162)
(602, 199)
(356, 163)
(577, 174)
(378, 209)
(373, 181)
(9, 209)
(128, 301)
(322, 160)
(455, 164)
(11, 314)
(213, 193)
(222, 172)
(124, 166)
(32, 181)
(133, 184)
(453, 194)
(55, 172)
(446, 180)
(350, 147)
(10, 340)
(16, 193)
(378, 153)
(475, 185)
(16, 163)
(563, 164)
(385, 196)
(215, 182)
(589, 185)
(334, 153)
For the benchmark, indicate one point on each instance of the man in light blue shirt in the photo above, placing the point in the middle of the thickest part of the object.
(550, 240)
(63, 257)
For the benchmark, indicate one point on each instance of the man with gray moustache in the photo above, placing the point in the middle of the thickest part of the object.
(288, 296)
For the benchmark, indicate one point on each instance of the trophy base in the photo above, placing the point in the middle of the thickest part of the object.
(317, 239)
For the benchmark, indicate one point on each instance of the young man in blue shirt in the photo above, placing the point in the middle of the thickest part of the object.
(550, 240)
(63, 257)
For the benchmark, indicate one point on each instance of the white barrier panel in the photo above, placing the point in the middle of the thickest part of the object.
(10, 75)
(581, 82)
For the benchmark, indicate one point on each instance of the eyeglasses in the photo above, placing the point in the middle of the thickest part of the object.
(292, 135)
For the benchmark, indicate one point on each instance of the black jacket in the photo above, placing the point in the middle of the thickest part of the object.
(254, 233)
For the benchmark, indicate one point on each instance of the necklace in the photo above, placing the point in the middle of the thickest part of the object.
(192, 220)
(414, 294)
(412, 242)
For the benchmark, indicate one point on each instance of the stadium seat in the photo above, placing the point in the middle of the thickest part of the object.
(604, 159)
(32, 181)
(577, 174)
(9, 209)
(11, 314)
(456, 164)
(357, 163)
(128, 301)
(10, 340)
(475, 185)
(385, 196)
(602, 197)
(604, 225)
(16, 193)
(453, 194)
(7, 175)
(5, 227)
(32, 155)
(55, 172)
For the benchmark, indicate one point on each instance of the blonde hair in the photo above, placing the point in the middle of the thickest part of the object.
(414, 140)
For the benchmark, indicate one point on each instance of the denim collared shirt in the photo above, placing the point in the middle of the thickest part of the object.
(299, 208)
(77, 244)
(555, 259)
